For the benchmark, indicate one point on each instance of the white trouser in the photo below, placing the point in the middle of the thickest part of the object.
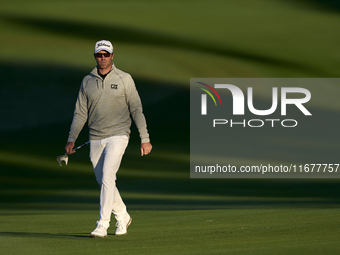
(106, 155)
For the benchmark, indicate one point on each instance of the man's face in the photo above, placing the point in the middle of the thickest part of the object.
(103, 61)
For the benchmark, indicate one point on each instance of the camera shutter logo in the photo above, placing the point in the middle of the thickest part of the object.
(204, 97)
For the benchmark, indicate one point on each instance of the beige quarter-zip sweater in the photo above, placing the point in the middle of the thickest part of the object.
(107, 105)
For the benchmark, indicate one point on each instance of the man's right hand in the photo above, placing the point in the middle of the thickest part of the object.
(69, 148)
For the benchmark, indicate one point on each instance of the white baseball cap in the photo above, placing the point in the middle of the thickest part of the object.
(103, 45)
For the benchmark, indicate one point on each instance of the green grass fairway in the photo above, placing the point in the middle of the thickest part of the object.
(46, 50)
(51, 210)
(229, 231)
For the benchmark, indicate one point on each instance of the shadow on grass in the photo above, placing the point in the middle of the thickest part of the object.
(43, 235)
(143, 37)
(325, 5)
(44, 94)
(173, 194)
(167, 111)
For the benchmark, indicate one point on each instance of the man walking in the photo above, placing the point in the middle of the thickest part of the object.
(106, 99)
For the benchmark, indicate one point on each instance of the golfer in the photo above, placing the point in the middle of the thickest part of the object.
(106, 99)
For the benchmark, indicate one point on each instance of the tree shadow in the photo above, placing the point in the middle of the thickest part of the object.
(325, 5)
(43, 235)
(167, 110)
(143, 37)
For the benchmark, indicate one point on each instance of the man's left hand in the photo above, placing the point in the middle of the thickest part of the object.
(145, 148)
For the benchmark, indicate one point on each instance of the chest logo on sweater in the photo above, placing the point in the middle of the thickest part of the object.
(114, 86)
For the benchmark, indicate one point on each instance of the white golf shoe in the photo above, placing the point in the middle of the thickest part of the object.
(123, 224)
(101, 229)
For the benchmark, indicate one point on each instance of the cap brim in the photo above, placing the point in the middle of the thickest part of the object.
(103, 48)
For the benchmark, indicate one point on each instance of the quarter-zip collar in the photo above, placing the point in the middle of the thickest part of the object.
(99, 79)
(94, 72)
